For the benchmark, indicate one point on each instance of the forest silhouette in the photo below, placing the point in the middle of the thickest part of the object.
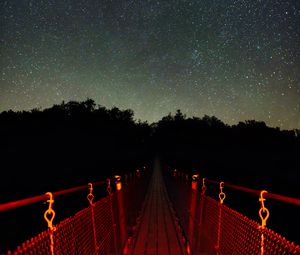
(56, 143)
(75, 143)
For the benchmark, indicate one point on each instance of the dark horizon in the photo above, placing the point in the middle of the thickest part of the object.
(297, 130)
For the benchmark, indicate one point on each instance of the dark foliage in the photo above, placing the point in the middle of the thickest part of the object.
(50, 145)
(68, 144)
(249, 154)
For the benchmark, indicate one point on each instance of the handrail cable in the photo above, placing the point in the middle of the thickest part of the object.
(286, 199)
(32, 200)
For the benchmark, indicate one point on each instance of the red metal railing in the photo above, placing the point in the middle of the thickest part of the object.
(210, 227)
(290, 200)
(27, 201)
(107, 225)
(104, 227)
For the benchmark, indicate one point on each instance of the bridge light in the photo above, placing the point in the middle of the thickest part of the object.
(118, 182)
(195, 178)
(174, 172)
(138, 173)
(188, 248)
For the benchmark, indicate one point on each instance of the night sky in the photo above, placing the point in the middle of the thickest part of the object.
(234, 59)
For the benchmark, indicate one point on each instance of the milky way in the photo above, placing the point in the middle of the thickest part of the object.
(234, 59)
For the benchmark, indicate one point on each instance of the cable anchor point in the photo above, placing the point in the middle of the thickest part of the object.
(50, 211)
(49, 220)
(264, 215)
(263, 211)
(222, 195)
(90, 196)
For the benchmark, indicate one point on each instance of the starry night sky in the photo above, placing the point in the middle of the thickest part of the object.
(234, 59)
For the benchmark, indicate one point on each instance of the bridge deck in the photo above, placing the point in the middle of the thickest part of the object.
(156, 233)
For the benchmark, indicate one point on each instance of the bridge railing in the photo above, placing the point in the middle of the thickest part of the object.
(211, 227)
(104, 227)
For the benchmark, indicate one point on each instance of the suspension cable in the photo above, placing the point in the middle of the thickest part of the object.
(32, 200)
(286, 199)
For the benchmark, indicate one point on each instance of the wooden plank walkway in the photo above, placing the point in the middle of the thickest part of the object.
(156, 233)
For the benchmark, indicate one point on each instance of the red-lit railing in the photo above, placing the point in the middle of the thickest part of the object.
(107, 225)
(27, 201)
(281, 198)
(210, 227)
(104, 227)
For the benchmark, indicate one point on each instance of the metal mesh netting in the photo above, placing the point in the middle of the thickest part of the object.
(103, 228)
(212, 228)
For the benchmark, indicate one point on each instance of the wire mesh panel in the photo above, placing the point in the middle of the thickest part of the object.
(103, 228)
(213, 228)
(37, 245)
(75, 235)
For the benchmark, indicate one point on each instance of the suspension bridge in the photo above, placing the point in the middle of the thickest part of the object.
(155, 211)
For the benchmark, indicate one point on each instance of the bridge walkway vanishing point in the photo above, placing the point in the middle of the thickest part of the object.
(157, 231)
(159, 212)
